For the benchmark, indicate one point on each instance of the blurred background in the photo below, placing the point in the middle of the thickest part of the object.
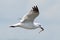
(12, 10)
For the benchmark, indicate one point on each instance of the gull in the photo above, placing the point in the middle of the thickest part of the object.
(27, 21)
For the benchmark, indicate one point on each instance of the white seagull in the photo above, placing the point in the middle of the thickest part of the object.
(27, 21)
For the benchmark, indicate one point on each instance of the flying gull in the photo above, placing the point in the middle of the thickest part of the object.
(27, 20)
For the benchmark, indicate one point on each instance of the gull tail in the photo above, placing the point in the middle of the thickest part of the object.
(16, 25)
(12, 26)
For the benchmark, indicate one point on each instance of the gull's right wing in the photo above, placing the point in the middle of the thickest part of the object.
(34, 12)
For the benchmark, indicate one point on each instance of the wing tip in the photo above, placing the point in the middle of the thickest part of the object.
(35, 8)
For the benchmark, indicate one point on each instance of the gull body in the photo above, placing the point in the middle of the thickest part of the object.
(26, 25)
(27, 21)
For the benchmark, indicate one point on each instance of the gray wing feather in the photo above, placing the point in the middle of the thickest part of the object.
(31, 15)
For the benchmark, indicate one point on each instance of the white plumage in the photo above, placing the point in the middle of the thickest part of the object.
(27, 21)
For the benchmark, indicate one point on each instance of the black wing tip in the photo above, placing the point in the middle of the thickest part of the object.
(35, 8)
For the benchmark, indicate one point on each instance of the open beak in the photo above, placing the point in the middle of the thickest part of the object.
(42, 29)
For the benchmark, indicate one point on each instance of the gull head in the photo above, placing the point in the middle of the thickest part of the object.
(42, 29)
(39, 26)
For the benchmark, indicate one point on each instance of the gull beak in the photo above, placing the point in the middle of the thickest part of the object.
(42, 29)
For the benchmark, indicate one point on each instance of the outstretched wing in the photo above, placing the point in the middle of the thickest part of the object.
(34, 12)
